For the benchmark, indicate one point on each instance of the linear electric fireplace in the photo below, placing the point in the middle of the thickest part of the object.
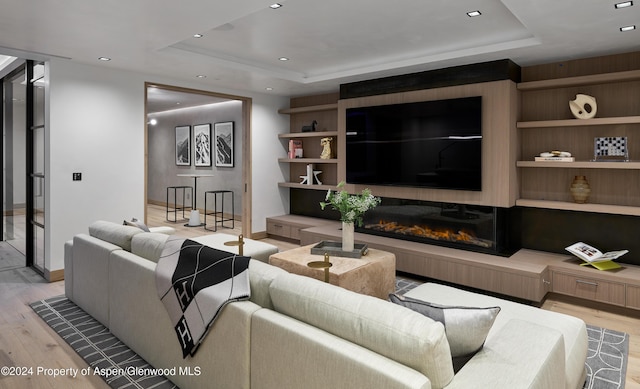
(468, 227)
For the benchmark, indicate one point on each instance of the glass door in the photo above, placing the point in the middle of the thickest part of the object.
(35, 161)
(14, 116)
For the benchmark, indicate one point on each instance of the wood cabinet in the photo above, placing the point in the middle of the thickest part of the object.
(590, 288)
(523, 275)
(546, 124)
(324, 110)
(289, 226)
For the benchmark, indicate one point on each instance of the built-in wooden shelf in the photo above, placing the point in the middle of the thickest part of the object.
(313, 108)
(604, 78)
(579, 122)
(580, 165)
(307, 160)
(310, 134)
(305, 186)
(588, 207)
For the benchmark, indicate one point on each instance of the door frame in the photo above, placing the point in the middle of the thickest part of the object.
(246, 147)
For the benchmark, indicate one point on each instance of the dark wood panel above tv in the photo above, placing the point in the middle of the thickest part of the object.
(503, 69)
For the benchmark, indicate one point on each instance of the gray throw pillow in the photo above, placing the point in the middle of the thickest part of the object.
(136, 223)
(466, 327)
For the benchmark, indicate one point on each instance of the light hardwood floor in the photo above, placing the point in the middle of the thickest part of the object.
(25, 341)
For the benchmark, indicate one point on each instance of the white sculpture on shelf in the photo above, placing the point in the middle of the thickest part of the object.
(583, 107)
(311, 176)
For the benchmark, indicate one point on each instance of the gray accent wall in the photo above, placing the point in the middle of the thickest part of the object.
(162, 169)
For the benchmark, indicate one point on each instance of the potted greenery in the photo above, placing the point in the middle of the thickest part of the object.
(351, 208)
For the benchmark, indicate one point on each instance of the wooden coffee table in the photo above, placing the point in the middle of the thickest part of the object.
(373, 274)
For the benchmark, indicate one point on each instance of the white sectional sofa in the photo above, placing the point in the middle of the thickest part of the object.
(296, 332)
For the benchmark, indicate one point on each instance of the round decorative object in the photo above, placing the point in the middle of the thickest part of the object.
(580, 189)
(583, 107)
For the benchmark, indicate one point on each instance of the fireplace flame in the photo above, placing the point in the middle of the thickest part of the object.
(448, 235)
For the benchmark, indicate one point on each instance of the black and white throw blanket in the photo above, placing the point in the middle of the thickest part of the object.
(195, 282)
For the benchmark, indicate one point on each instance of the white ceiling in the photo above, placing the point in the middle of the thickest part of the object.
(328, 42)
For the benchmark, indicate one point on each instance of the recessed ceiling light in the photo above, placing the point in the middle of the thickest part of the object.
(624, 4)
(201, 76)
(198, 35)
(283, 59)
(275, 6)
(627, 28)
(474, 14)
(104, 59)
(268, 88)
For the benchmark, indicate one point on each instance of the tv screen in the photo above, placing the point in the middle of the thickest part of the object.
(433, 144)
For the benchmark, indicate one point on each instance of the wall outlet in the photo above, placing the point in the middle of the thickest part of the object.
(188, 196)
(77, 176)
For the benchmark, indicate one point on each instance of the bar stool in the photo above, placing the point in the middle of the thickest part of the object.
(182, 208)
(215, 211)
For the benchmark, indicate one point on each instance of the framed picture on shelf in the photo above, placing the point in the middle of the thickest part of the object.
(202, 144)
(183, 145)
(223, 136)
(610, 148)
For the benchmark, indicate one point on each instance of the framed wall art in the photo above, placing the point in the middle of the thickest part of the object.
(223, 135)
(183, 145)
(202, 144)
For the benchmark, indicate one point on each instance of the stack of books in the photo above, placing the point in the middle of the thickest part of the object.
(295, 148)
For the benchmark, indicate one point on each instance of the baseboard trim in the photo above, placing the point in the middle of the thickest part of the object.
(259, 235)
(54, 276)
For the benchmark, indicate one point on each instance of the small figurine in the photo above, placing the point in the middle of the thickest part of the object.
(310, 128)
(326, 148)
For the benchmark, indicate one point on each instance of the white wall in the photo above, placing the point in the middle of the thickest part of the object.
(96, 127)
(268, 198)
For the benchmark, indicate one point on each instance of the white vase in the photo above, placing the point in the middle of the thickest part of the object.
(347, 236)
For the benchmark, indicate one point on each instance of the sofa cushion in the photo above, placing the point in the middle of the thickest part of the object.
(466, 327)
(261, 275)
(148, 245)
(114, 233)
(400, 334)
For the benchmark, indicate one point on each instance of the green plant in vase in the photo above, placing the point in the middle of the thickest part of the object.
(352, 208)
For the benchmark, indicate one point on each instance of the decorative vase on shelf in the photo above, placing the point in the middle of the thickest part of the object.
(580, 189)
(347, 236)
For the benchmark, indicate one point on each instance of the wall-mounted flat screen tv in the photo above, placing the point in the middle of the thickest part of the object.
(431, 144)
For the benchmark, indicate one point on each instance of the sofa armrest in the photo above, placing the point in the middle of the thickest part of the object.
(521, 355)
(68, 269)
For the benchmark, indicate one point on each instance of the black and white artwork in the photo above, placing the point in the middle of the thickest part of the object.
(183, 145)
(611, 148)
(223, 135)
(202, 144)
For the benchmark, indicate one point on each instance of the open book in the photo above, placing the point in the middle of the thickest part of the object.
(593, 256)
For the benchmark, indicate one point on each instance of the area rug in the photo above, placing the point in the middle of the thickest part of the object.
(606, 359)
(117, 365)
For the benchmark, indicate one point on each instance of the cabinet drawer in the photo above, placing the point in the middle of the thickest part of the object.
(633, 297)
(295, 232)
(589, 288)
(280, 229)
